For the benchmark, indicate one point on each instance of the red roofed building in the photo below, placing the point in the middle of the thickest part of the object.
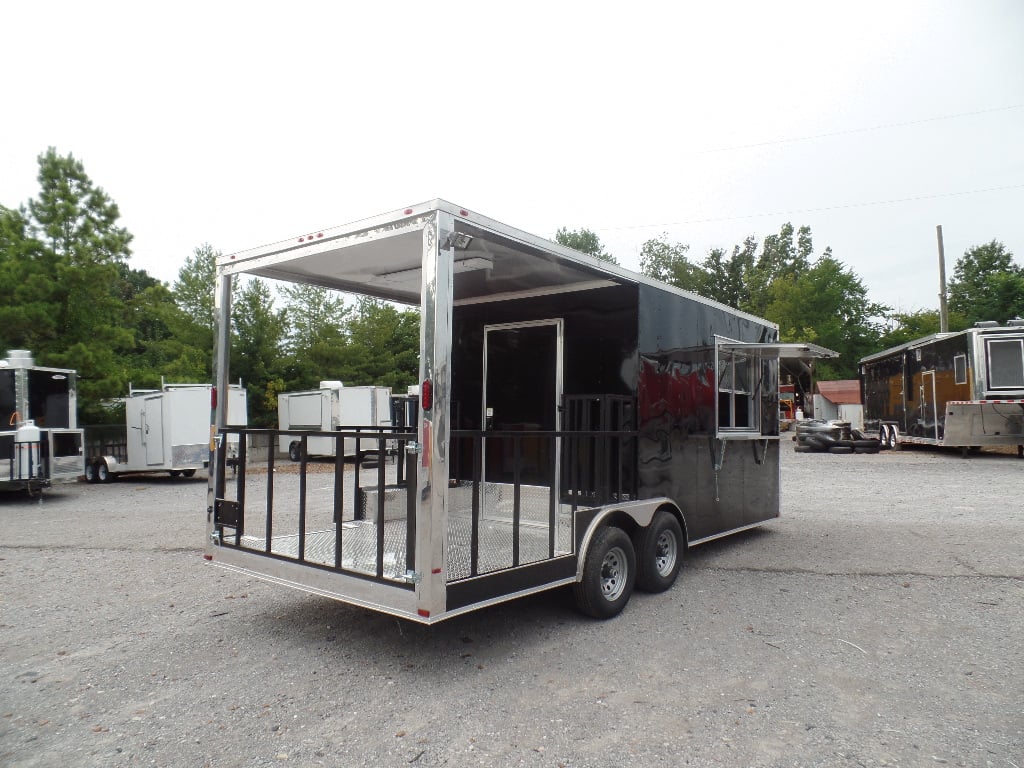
(839, 400)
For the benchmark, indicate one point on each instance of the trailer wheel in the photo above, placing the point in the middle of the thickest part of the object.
(90, 472)
(188, 472)
(659, 553)
(295, 451)
(102, 473)
(609, 573)
(174, 472)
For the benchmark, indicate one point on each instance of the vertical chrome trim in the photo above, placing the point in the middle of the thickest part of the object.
(435, 366)
(221, 374)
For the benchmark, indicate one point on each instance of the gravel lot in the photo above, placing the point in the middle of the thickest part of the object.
(879, 622)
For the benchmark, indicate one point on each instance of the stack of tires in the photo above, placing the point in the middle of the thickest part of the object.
(819, 436)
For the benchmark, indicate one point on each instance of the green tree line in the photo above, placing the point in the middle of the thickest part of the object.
(72, 299)
(818, 298)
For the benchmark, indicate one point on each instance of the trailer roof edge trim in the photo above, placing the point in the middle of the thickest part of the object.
(408, 221)
(924, 340)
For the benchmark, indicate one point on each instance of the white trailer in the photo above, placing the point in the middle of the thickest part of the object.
(168, 430)
(40, 441)
(331, 408)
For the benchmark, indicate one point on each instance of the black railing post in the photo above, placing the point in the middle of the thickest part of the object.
(517, 447)
(339, 496)
(379, 515)
(240, 480)
(553, 498)
(359, 514)
(477, 442)
(410, 512)
(271, 455)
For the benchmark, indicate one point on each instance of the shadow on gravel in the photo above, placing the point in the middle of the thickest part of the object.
(701, 556)
(529, 625)
(56, 496)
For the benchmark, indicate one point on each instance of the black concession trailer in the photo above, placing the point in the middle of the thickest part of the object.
(40, 441)
(962, 389)
(576, 424)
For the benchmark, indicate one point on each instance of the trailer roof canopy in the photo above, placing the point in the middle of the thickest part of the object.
(382, 257)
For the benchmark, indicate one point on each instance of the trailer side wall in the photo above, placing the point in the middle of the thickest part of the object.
(678, 407)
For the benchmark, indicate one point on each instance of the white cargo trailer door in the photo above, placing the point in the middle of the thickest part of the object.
(153, 430)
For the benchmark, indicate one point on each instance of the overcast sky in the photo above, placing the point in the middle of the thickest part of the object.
(240, 124)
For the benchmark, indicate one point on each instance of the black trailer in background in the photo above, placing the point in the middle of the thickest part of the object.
(40, 441)
(962, 389)
(577, 423)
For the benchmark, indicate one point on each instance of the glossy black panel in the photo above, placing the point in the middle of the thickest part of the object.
(657, 346)
(600, 328)
(677, 402)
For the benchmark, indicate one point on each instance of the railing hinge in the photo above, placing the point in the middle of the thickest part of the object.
(413, 447)
(413, 577)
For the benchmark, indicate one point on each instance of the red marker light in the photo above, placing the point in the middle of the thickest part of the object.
(463, 213)
(426, 395)
(207, 557)
(213, 398)
(424, 613)
(408, 211)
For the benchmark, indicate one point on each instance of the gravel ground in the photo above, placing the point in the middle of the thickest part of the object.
(878, 623)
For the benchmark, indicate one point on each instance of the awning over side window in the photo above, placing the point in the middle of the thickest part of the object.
(783, 350)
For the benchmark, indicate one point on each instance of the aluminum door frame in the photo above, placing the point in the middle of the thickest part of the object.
(559, 325)
(929, 398)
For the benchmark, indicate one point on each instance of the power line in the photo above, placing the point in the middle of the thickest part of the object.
(849, 131)
(814, 210)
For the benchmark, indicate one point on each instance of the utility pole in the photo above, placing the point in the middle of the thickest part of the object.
(943, 309)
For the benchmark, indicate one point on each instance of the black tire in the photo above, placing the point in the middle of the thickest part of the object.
(659, 550)
(174, 472)
(609, 573)
(189, 472)
(841, 449)
(102, 472)
(295, 451)
(90, 472)
(803, 449)
(820, 443)
(874, 449)
(868, 444)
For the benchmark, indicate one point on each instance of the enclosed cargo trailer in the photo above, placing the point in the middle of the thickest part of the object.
(578, 424)
(963, 389)
(330, 408)
(168, 430)
(40, 441)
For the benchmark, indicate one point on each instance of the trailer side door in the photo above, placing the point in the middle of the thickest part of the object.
(522, 389)
(153, 430)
